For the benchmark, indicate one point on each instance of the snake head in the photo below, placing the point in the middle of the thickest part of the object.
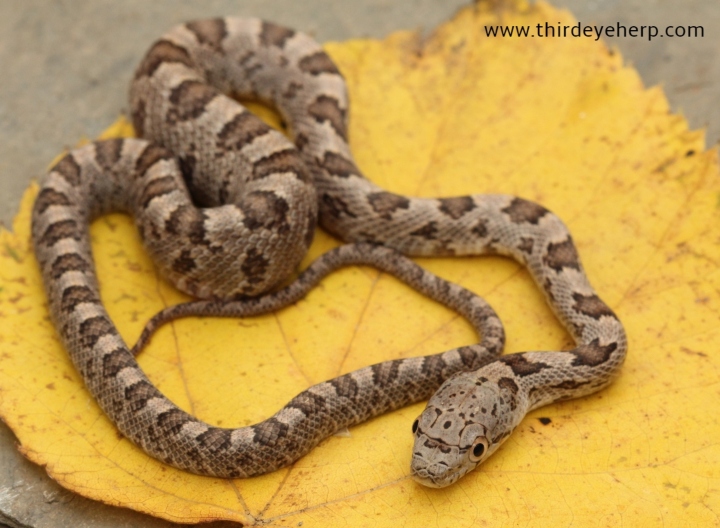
(465, 421)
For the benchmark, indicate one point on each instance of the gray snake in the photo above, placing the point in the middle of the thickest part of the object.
(227, 207)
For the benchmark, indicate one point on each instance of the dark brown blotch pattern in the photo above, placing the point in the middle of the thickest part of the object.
(345, 386)
(59, 231)
(456, 207)
(172, 420)
(569, 384)
(480, 228)
(254, 266)
(526, 245)
(561, 255)
(508, 384)
(189, 100)
(283, 161)
(307, 403)
(523, 211)
(69, 169)
(335, 206)
(240, 131)
(326, 108)
(428, 231)
(591, 305)
(49, 197)
(215, 439)
(151, 155)
(385, 203)
(156, 188)
(74, 295)
(116, 361)
(68, 262)
(162, 51)
(138, 394)
(92, 329)
(521, 366)
(592, 354)
(270, 432)
(210, 32)
(338, 165)
(108, 152)
(318, 63)
(274, 35)
(385, 373)
(184, 263)
(265, 210)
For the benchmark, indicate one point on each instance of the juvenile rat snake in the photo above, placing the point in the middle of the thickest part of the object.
(261, 196)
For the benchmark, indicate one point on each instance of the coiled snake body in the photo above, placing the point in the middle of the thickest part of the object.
(261, 196)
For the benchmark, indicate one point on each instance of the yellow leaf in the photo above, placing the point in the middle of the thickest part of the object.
(558, 121)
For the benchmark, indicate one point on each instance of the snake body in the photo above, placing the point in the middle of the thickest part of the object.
(261, 196)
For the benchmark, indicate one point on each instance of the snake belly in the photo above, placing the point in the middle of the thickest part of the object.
(227, 208)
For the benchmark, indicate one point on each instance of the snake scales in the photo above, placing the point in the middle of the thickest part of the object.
(260, 198)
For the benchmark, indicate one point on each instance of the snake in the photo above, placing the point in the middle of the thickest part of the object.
(227, 207)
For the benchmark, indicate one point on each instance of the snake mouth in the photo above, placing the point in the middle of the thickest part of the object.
(436, 475)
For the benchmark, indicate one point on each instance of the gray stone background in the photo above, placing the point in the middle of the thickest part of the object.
(65, 69)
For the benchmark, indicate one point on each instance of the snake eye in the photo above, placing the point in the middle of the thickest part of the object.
(415, 425)
(479, 448)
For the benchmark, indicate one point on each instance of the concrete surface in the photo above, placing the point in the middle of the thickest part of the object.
(65, 69)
